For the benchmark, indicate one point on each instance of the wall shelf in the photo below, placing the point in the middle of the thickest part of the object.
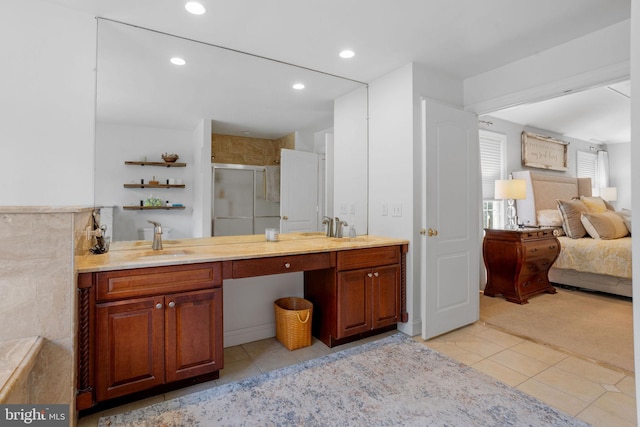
(145, 208)
(154, 185)
(163, 164)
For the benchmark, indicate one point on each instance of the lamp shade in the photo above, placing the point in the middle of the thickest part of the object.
(610, 194)
(511, 189)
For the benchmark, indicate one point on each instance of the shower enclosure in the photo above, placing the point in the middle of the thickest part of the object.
(245, 200)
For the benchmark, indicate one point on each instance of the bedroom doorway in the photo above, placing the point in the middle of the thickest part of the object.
(495, 121)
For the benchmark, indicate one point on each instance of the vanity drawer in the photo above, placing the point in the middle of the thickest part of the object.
(364, 258)
(281, 264)
(119, 284)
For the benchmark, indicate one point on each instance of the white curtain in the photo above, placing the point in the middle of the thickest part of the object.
(602, 172)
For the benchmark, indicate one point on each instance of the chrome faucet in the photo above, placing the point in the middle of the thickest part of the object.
(339, 226)
(329, 222)
(157, 236)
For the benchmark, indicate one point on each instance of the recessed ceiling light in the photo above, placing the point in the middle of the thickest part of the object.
(195, 8)
(347, 53)
(298, 86)
(178, 61)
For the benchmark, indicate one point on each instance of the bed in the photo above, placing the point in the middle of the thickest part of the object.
(595, 264)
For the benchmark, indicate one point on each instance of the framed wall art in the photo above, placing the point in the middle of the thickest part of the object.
(543, 152)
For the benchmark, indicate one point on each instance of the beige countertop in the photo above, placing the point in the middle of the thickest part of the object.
(136, 254)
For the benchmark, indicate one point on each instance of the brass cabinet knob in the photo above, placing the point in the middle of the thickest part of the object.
(284, 217)
(432, 232)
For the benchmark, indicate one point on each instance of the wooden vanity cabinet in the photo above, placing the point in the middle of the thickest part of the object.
(367, 299)
(361, 296)
(151, 326)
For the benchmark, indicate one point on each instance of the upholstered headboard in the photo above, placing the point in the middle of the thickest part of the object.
(544, 189)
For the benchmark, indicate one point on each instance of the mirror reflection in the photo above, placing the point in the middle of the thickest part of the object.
(219, 109)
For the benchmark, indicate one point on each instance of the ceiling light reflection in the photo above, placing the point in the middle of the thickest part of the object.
(195, 8)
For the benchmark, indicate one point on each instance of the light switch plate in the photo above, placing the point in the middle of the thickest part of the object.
(396, 209)
(385, 209)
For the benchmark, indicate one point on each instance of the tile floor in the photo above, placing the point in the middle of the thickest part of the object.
(592, 393)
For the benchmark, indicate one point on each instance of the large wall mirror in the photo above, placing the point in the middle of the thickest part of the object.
(147, 106)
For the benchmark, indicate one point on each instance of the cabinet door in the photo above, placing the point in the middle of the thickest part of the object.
(354, 302)
(193, 324)
(129, 346)
(386, 296)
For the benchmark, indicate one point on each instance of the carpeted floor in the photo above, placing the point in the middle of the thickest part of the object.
(592, 325)
(390, 382)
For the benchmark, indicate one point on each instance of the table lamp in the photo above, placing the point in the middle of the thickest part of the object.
(510, 190)
(610, 194)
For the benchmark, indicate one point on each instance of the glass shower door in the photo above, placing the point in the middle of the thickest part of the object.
(233, 201)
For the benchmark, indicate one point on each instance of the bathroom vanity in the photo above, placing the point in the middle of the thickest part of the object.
(152, 319)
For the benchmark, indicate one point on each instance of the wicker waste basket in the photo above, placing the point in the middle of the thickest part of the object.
(293, 322)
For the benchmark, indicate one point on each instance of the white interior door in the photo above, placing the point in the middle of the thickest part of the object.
(298, 191)
(451, 222)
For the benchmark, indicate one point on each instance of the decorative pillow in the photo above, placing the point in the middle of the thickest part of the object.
(570, 212)
(608, 205)
(605, 225)
(625, 214)
(594, 204)
(549, 218)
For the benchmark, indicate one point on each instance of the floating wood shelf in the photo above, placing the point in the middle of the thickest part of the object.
(144, 208)
(153, 185)
(163, 164)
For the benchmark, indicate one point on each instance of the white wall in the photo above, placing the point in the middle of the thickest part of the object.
(350, 159)
(620, 173)
(513, 133)
(591, 60)
(116, 144)
(395, 162)
(202, 182)
(47, 82)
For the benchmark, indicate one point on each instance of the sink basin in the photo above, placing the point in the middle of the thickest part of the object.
(314, 233)
(164, 253)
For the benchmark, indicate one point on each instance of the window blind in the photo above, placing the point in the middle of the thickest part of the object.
(587, 166)
(492, 161)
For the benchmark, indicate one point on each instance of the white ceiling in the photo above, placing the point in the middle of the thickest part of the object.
(601, 115)
(461, 38)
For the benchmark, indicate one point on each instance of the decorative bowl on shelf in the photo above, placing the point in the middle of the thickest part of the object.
(170, 157)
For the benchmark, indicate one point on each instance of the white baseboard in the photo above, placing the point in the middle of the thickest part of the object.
(254, 333)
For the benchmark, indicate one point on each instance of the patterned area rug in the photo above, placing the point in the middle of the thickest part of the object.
(391, 382)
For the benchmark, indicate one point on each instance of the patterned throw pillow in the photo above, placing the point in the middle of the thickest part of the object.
(570, 211)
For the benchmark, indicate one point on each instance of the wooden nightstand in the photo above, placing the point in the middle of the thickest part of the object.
(518, 261)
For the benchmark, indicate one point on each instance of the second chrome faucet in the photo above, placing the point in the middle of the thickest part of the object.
(334, 226)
